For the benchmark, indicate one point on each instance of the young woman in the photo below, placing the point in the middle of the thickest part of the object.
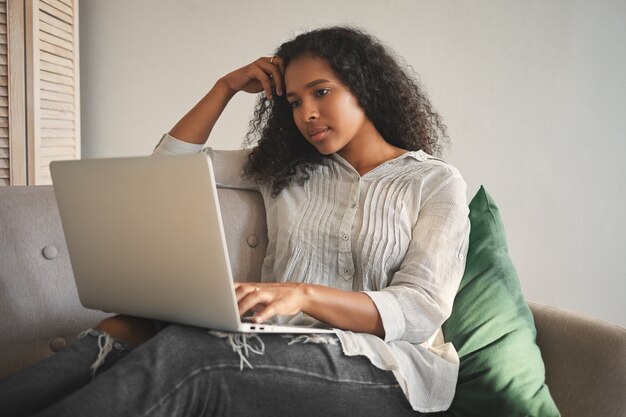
(367, 234)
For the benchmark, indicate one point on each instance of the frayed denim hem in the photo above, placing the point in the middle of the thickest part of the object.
(106, 343)
(312, 338)
(240, 342)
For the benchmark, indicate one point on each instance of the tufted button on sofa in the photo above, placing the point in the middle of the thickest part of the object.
(57, 344)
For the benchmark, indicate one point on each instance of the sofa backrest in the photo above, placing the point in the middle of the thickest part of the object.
(39, 304)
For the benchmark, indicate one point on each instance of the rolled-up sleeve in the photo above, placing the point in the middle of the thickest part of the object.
(228, 165)
(421, 293)
(169, 145)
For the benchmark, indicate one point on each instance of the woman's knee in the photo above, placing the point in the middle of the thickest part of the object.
(133, 330)
(179, 341)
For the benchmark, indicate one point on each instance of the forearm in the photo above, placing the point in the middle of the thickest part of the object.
(348, 310)
(196, 125)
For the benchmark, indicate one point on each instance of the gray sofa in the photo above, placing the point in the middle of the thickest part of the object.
(40, 313)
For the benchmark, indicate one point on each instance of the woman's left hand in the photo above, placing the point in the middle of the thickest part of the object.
(270, 299)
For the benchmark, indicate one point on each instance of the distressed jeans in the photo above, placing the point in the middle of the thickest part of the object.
(188, 371)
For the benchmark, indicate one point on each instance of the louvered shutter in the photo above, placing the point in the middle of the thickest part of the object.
(5, 157)
(52, 85)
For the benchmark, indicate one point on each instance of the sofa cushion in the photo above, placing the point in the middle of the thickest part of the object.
(39, 304)
(491, 326)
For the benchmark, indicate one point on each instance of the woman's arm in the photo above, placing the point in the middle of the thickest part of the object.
(196, 125)
(348, 310)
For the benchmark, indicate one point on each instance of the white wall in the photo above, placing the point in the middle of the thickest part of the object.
(533, 93)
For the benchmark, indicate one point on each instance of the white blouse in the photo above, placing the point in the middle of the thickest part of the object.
(399, 234)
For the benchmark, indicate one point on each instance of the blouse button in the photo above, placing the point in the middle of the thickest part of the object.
(345, 236)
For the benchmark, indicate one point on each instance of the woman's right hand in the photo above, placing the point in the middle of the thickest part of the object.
(261, 75)
(197, 124)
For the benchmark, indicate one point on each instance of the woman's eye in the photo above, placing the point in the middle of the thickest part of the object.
(322, 92)
(294, 104)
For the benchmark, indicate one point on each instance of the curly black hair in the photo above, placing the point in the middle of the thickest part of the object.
(385, 88)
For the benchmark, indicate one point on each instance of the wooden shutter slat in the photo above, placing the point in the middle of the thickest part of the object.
(53, 59)
(68, 10)
(59, 141)
(56, 78)
(4, 163)
(56, 50)
(68, 3)
(56, 69)
(55, 40)
(54, 31)
(54, 96)
(60, 88)
(57, 124)
(57, 151)
(57, 105)
(55, 114)
(57, 133)
(45, 17)
(53, 11)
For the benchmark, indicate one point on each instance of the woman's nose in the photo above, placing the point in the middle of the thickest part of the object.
(310, 113)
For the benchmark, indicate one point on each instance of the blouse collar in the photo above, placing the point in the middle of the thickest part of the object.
(419, 156)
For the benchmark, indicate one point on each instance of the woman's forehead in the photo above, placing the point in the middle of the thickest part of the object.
(306, 69)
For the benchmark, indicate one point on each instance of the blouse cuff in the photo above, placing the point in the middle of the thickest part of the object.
(169, 145)
(390, 313)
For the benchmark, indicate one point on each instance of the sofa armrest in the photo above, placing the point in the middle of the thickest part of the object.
(585, 361)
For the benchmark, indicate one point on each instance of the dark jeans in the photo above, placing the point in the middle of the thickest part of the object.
(185, 371)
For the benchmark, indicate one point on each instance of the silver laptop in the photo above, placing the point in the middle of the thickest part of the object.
(145, 238)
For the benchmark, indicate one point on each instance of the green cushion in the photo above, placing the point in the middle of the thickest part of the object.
(492, 328)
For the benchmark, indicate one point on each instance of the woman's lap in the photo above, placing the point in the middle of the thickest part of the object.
(188, 371)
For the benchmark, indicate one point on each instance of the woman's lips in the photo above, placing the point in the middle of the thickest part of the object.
(319, 134)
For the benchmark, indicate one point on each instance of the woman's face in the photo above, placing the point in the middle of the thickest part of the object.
(324, 109)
